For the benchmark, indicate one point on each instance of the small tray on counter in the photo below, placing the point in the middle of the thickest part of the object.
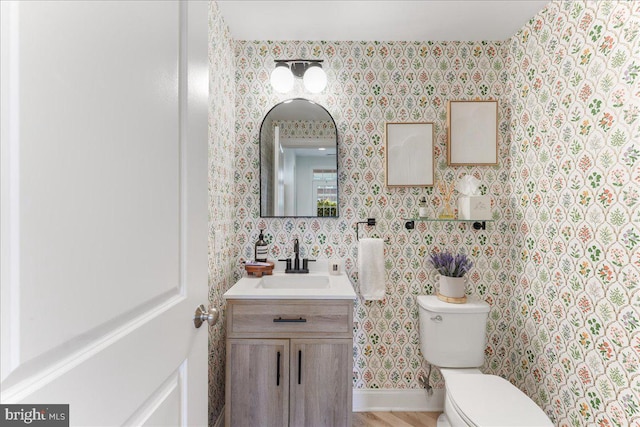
(259, 269)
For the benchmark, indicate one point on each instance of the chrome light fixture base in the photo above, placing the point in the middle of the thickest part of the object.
(309, 70)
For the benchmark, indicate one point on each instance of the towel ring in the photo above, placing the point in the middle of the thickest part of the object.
(369, 221)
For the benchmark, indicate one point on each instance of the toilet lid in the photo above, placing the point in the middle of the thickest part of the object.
(435, 305)
(488, 400)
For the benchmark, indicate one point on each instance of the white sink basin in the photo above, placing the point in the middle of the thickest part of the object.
(294, 281)
(317, 284)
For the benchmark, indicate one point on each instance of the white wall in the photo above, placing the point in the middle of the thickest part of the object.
(304, 181)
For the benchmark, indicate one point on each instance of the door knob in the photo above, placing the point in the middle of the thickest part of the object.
(202, 315)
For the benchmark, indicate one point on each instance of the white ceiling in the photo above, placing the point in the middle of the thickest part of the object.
(393, 20)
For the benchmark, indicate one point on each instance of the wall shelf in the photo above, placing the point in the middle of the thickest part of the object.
(477, 224)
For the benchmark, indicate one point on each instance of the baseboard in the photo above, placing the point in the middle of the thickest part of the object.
(371, 399)
(368, 400)
(220, 421)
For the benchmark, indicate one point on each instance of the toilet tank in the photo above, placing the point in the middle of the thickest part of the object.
(452, 335)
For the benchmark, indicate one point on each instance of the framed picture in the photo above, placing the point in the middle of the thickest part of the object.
(409, 151)
(473, 133)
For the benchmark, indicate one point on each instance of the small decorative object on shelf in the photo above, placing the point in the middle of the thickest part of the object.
(422, 208)
(451, 270)
(471, 204)
(446, 190)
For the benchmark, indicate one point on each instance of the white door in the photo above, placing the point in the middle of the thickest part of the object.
(104, 209)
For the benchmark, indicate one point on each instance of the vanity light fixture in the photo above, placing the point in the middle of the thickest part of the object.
(281, 78)
(310, 70)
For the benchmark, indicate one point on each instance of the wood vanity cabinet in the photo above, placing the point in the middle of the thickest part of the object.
(289, 363)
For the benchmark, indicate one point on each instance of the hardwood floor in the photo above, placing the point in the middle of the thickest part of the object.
(395, 419)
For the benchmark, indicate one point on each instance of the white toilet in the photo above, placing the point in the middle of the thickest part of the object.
(452, 337)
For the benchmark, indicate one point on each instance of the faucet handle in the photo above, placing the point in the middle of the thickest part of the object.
(287, 267)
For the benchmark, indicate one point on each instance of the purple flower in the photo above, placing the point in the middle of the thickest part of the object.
(449, 265)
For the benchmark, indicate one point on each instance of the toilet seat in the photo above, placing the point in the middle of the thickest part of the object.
(492, 401)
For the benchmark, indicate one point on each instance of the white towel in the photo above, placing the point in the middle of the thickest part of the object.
(371, 268)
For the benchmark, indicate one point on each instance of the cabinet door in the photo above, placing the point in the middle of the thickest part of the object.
(257, 383)
(321, 382)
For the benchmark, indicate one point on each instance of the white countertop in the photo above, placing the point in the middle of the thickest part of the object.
(339, 286)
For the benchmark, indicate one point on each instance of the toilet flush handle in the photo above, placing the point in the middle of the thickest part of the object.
(437, 318)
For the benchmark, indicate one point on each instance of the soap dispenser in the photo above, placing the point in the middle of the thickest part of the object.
(261, 248)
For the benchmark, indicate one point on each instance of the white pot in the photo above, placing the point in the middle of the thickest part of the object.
(452, 287)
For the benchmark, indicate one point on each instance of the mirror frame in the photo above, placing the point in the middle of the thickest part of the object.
(286, 101)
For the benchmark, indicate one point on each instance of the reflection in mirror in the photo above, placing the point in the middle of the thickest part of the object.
(298, 161)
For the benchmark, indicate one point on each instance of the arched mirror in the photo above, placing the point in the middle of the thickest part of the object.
(298, 161)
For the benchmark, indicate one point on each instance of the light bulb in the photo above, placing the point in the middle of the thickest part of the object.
(281, 78)
(315, 79)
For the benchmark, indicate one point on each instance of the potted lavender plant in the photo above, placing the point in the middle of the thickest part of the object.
(451, 270)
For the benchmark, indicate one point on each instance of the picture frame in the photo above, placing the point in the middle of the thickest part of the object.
(472, 137)
(409, 154)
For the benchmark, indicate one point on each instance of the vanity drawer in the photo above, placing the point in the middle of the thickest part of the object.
(289, 318)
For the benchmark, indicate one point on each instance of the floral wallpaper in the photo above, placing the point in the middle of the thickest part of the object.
(222, 258)
(570, 336)
(371, 83)
(559, 265)
(306, 129)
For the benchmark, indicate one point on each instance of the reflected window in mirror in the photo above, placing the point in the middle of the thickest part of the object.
(325, 191)
(298, 161)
